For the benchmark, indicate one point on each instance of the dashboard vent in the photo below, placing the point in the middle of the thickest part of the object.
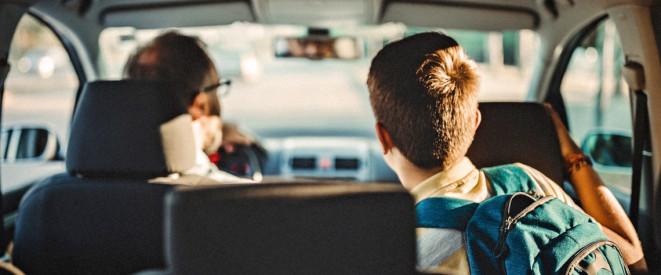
(303, 163)
(346, 163)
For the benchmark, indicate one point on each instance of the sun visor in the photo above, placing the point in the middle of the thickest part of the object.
(491, 18)
(320, 13)
(146, 17)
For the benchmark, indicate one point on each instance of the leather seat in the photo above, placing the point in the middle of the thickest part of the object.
(517, 132)
(290, 228)
(104, 216)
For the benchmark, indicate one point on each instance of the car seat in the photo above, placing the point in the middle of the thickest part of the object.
(517, 132)
(104, 216)
(291, 228)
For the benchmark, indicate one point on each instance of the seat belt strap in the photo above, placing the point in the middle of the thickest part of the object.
(634, 75)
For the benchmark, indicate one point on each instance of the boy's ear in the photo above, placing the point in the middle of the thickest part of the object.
(384, 138)
(478, 119)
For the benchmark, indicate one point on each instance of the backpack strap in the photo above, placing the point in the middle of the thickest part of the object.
(509, 179)
(443, 212)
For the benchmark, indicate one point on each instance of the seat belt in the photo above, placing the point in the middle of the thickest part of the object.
(635, 77)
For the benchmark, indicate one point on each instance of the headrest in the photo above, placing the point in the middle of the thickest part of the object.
(131, 129)
(289, 228)
(517, 132)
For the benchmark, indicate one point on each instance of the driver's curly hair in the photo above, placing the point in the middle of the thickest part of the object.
(423, 91)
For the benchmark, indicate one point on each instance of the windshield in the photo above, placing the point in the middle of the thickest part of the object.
(276, 96)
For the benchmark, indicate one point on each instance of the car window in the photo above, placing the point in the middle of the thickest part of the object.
(598, 107)
(37, 104)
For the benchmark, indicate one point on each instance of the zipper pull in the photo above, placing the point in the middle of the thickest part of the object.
(533, 193)
(500, 249)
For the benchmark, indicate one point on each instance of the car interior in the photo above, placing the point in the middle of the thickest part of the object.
(88, 157)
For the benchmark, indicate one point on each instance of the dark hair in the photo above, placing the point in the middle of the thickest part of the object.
(176, 58)
(423, 91)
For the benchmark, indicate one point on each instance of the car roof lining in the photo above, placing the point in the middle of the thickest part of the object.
(450, 14)
(199, 14)
(458, 16)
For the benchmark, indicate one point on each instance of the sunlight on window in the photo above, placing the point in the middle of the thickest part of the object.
(251, 68)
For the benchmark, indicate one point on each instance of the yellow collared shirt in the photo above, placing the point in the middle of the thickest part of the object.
(442, 250)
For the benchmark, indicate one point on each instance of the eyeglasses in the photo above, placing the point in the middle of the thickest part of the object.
(222, 88)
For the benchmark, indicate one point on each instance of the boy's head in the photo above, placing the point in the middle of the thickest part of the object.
(423, 91)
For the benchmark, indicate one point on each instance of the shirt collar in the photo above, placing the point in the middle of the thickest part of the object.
(443, 180)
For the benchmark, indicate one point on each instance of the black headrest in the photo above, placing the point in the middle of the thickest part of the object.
(291, 229)
(517, 132)
(130, 128)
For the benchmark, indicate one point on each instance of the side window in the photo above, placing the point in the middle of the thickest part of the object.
(37, 104)
(598, 106)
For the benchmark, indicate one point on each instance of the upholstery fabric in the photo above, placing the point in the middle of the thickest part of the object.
(343, 228)
(69, 225)
(517, 132)
(117, 131)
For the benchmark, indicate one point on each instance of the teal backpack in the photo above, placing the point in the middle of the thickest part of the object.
(516, 232)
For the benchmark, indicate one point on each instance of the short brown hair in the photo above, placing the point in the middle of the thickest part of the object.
(423, 91)
(174, 57)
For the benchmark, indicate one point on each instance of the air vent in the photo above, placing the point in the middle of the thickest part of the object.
(303, 163)
(346, 164)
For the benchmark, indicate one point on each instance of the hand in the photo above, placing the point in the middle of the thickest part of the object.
(232, 136)
(567, 144)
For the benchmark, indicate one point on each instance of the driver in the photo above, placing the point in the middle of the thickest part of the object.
(183, 61)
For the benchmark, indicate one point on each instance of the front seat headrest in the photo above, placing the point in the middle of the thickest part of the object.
(517, 132)
(130, 129)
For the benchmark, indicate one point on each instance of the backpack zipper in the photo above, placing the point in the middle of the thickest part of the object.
(501, 250)
(584, 251)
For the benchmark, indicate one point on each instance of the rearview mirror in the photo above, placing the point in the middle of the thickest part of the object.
(25, 143)
(607, 148)
(318, 47)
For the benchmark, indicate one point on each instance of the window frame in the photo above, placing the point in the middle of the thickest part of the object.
(554, 96)
(11, 198)
(75, 59)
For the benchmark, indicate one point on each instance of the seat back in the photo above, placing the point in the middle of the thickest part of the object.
(103, 216)
(291, 229)
(68, 225)
(517, 132)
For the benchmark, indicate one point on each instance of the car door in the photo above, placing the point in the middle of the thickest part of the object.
(37, 104)
(594, 99)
